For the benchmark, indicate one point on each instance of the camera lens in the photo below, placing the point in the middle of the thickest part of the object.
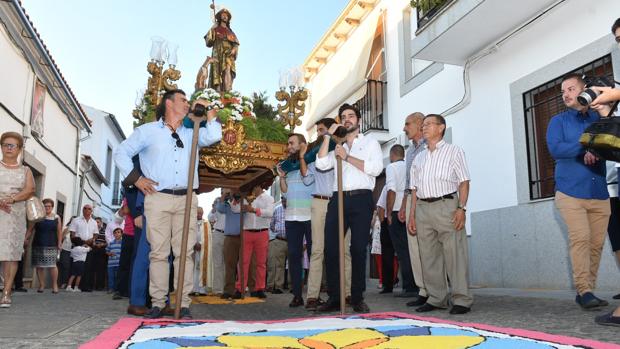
(586, 97)
(199, 110)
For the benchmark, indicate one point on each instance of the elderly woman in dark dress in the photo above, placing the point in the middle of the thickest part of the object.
(46, 245)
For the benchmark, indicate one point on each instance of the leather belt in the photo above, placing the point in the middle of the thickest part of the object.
(447, 196)
(280, 238)
(177, 191)
(354, 192)
(256, 230)
(321, 197)
(218, 230)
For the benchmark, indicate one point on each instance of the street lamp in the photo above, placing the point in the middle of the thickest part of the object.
(160, 80)
(291, 111)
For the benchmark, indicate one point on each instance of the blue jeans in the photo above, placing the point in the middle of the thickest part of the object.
(112, 273)
(139, 284)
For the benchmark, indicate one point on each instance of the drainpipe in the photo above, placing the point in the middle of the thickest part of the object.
(82, 180)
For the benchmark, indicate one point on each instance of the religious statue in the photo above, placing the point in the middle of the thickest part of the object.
(225, 47)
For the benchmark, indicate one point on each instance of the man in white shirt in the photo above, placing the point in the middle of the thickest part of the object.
(395, 178)
(83, 230)
(440, 188)
(217, 250)
(256, 221)
(361, 164)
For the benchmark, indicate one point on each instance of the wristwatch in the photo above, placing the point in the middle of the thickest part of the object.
(464, 208)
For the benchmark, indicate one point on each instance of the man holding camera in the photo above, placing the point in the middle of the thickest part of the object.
(164, 147)
(581, 190)
(362, 162)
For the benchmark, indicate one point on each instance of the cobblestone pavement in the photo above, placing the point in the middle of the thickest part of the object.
(66, 320)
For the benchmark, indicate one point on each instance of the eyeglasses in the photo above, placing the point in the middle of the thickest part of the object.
(9, 146)
(175, 135)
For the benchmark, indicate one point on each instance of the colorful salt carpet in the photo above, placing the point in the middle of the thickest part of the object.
(378, 331)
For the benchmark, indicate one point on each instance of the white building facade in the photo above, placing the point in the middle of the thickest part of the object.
(101, 186)
(493, 68)
(36, 102)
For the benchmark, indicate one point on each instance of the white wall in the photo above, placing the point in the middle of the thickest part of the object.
(60, 135)
(484, 129)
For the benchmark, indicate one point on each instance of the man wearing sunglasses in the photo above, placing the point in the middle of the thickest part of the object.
(164, 147)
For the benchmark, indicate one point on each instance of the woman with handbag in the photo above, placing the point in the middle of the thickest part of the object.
(16, 186)
(46, 244)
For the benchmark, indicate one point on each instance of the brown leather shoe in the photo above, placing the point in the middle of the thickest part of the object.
(136, 310)
(313, 303)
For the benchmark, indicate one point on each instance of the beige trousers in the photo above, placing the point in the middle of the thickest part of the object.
(443, 251)
(164, 214)
(414, 255)
(587, 227)
(315, 274)
(276, 263)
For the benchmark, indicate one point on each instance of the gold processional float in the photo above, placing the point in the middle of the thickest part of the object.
(251, 145)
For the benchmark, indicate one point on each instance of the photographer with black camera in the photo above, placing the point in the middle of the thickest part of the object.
(581, 189)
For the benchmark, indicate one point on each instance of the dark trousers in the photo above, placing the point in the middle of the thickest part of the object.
(125, 265)
(295, 233)
(99, 266)
(86, 283)
(613, 228)
(64, 267)
(139, 284)
(357, 216)
(18, 281)
(387, 257)
(398, 234)
(231, 255)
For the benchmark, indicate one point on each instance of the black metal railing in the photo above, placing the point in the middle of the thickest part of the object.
(427, 9)
(540, 105)
(372, 106)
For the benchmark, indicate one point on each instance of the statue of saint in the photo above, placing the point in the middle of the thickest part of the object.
(225, 47)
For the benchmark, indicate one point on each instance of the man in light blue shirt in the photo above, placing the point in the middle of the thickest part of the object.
(164, 147)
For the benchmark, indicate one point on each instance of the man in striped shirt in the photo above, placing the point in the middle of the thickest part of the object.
(439, 181)
(297, 215)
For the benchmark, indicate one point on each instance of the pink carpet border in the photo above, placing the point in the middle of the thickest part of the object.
(124, 328)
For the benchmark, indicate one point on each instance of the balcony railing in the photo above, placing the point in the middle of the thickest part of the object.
(427, 9)
(117, 197)
(372, 106)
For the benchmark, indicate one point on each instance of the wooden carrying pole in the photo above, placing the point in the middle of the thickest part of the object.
(241, 254)
(186, 219)
(341, 234)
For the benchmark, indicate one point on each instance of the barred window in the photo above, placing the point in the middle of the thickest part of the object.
(541, 104)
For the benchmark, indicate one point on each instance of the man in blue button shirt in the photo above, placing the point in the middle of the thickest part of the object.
(164, 147)
(581, 190)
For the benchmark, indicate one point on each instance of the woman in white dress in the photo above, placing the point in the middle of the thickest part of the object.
(16, 186)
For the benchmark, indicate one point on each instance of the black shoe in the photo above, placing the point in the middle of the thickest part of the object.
(602, 302)
(361, 307)
(225, 296)
(426, 308)
(406, 294)
(608, 320)
(20, 289)
(87, 290)
(237, 295)
(418, 302)
(185, 314)
(459, 309)
(616, 296)
(258, 294)
(588, 301)
(154, 313)
(296, 302)
(328, 307)
(386, 290)
(194, 294)
(116, 296)
(277, 291)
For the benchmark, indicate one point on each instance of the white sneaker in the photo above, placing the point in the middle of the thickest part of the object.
(69, 289)
(77, 290)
